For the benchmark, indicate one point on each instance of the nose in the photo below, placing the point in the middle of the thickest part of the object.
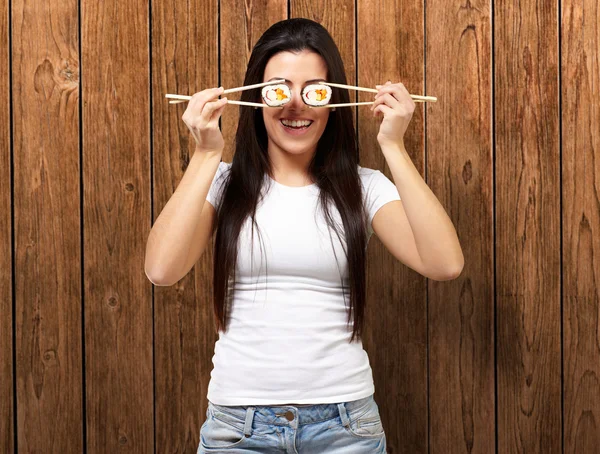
(296, 102)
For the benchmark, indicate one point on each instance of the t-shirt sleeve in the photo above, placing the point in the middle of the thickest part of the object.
(216, 187)
(380, 191)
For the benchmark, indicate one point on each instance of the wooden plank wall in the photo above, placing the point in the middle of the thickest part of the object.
(505, 358)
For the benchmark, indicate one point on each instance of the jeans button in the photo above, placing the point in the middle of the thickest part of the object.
(289, 415)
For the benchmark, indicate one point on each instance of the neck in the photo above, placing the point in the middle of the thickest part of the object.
(290, 167)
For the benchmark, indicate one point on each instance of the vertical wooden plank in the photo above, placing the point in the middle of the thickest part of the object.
(390, 47)
(460, 173)
(6, 294)
(184, 61)
(116, 182)
(241, 26)
(527, 228)
(581, 175)
(185, 334)
(47, 226)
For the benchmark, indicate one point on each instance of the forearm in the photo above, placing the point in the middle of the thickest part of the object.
(434, 233)
(173, 231)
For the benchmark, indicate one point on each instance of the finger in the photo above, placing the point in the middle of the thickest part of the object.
(386, 98)
(221, 103)
(405, 94)
(389, 89)
(209, 110)
(402, 91)
(206, 95)
(383, 91)
(202, 97)
(215, 91)
(389, 84)
(383, 109)
(390, 100)
(386, 84)
(376, 102)
(401, 96)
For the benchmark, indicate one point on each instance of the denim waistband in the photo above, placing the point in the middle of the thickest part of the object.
(278, 414)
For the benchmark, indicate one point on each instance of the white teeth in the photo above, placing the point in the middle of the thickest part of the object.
(296, 124)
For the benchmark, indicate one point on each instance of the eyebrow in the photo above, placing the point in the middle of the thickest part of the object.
(308, 81)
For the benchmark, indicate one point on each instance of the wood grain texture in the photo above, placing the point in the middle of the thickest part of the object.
(7, 348)
(471, 365)
(185, 53)
(45, 76)
(116, 202)
(527, 210)
(580, 113)
(460, 173)
(242, 24)
(390, 47)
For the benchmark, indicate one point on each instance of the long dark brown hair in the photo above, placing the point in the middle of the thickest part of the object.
(334, 168)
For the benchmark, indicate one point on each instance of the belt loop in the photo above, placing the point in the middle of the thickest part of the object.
(343, 414)
(248, 425)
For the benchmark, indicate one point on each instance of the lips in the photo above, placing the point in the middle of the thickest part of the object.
(295, 119)
(295, 131)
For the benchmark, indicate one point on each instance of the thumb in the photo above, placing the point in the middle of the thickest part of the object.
(387, 83)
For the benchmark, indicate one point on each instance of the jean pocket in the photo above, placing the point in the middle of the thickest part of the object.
(366, 422)
(221, 431)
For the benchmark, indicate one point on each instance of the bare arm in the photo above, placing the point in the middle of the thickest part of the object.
(184, 226)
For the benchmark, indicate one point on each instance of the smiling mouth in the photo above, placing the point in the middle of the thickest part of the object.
(295, 128)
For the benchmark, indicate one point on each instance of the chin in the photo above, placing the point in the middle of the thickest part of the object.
(290, 144)
(297, 148)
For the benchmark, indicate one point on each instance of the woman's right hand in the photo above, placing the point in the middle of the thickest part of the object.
(202, 118)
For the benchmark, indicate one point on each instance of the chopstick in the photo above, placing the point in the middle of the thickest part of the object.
(244, 103)
(248, 87)
(365, 103)
(372, 90)
(254, 104)
(183, 98)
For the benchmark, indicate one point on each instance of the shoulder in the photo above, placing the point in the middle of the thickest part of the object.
(376, 185)
(222, 170)
(365, 172)
(224, 166)
(367, 175)
(220, 175)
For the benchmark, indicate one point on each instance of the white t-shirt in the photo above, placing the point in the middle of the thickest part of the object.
(287, 339)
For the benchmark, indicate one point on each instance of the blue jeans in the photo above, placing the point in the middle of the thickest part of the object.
(342, 428)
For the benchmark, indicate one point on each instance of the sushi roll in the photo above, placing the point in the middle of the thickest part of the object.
(276, 95)
(316, 94)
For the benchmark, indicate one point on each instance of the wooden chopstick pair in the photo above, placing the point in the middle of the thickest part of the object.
(183, 98)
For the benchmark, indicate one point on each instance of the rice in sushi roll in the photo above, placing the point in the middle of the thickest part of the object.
(317, 94)
(276, 95)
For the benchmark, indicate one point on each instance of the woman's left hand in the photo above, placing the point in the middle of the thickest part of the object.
(397, 107)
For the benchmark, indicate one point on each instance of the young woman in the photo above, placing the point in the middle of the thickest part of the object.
(292, 214)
